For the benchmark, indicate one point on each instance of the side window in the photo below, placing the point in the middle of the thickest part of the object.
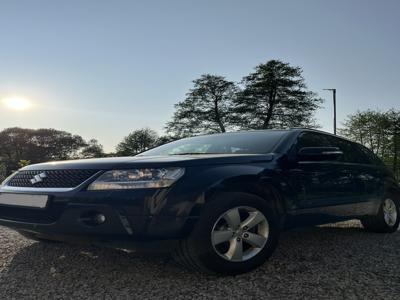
(373, 159)
(311, 139)
(359, 156)
(351, 153)
(345, 147)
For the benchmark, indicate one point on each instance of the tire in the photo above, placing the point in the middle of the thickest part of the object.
(35, 237)
(203, 250)
(388, 218)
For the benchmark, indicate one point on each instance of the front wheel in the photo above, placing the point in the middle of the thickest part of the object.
(236, 233)
(388, 218)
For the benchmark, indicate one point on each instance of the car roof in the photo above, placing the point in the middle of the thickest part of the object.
(300, 129)
(294, 130)
(284, 130)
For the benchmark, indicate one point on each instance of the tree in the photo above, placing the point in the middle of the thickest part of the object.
(19, 145)
(275, 96)
(56, 144)
(3, 171)
(137, 141)
(164, 139)
(206, 108)
(379, 131)
(23, 163)
(370, 128)
(92, 149)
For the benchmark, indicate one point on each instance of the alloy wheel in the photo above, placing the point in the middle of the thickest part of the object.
(240, 233)
(389, 212)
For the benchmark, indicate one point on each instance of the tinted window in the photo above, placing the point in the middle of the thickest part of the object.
(230, 143)
(311, 139)
(351, 152)
(373, 159)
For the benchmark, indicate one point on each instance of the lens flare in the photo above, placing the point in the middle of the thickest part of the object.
(17, 103)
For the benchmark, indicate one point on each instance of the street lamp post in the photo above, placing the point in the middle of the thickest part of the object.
(334, 109)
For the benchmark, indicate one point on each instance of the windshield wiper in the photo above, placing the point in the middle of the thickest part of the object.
(195, 153)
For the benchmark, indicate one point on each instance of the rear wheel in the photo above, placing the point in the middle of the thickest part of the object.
(388, 218)
(236, 233)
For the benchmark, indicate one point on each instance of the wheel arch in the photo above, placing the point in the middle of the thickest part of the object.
(270, 191)
(255, 180)
(392, 187)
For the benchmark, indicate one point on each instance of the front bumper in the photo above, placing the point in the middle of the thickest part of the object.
(130, 216)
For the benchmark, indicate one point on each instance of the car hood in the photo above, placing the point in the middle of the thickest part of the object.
(151, 161)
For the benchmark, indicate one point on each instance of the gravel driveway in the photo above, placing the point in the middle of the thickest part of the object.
(340, 261)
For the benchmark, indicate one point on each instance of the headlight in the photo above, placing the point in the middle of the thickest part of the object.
(137, 179)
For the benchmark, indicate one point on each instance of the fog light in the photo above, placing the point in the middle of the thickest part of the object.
(100, 218)
(92, 218)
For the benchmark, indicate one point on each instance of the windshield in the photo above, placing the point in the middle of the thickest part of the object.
(256, 142)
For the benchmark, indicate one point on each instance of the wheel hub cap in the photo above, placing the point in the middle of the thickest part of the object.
(240, 233)
(390, 212)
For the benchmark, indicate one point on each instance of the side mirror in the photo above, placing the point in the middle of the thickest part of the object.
(319, 153)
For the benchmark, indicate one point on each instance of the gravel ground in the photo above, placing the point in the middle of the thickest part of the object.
(337, 261)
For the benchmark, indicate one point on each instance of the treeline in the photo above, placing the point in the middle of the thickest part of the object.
(379, 131)
(21, 146)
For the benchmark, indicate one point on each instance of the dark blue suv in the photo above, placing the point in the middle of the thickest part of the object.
(217, 202)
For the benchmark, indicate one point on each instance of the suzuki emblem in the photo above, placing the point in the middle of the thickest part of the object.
(38, 178)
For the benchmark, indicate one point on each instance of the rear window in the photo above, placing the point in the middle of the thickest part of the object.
(375, 160)
(257, 142)
(352, 152)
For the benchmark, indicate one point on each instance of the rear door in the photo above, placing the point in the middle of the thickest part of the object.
(367, 177)
(324, 183)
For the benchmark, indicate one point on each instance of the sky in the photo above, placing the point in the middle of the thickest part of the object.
(102, 69)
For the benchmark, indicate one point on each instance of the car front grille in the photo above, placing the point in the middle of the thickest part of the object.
(50, 178)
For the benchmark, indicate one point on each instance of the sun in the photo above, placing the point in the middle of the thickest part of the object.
(17, 103)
